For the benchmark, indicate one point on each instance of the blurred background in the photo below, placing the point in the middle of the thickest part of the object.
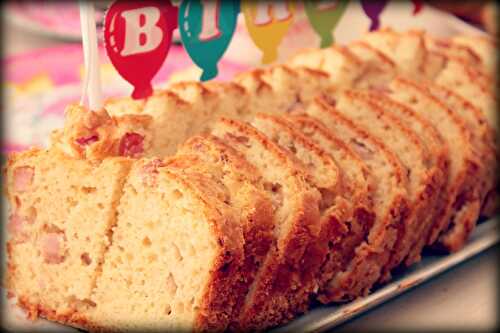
(42, 56)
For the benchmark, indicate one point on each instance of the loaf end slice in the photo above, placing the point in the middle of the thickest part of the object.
(62, 211)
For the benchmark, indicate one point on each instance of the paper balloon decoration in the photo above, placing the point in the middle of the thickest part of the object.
(373, 9)
(206, 28)
(324, 17)
(417, 6)
(267, 23)
(137, 36)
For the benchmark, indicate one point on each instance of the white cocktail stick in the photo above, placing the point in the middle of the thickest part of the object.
(92, 80)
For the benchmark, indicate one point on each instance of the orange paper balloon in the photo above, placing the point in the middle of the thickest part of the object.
(267, 24)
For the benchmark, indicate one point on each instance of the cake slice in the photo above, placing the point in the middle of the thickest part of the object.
(413, 155)
(357, 189)
(327, 179)
(461, 196)
(390, 204)
(281, 285)
(62, 213)
(175, 256)
(211, 156)
(438, 159)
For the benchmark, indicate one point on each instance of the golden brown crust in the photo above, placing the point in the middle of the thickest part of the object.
(463, 193)
(220, 295)
(283, 290)
(374, 253)
(482, 139)
(282, 286)
(357, 191)
(334, 210)
(256, 210)
(423, 195)
(438, 157)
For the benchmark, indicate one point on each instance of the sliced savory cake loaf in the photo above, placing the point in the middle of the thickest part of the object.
(344, 67)
(277, 292)
(407, 50)
(462, 193)
(437, 159)
(175, 256)
(357, 188)
(326, 177)
(209, 155)
(62, 212)
(413, 155)
(390, 205)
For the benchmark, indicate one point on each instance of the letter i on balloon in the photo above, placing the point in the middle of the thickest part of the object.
(267, 24)
(137, 36)
(324, 17)
(206, 28)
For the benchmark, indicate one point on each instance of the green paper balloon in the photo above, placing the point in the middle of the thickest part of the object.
(206, 28)
(324, 17)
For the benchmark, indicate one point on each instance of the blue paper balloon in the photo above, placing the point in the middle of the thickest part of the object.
(206, 29)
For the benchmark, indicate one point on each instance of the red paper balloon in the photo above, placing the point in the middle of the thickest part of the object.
(137, 36)
(417, 6)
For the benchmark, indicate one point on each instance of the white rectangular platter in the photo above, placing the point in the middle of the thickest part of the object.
(324, 318)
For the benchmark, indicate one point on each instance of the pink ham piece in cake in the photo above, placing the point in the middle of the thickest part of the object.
(53, 247)
(16, 225)
(131, 145)
(87, 140)
(23, 178)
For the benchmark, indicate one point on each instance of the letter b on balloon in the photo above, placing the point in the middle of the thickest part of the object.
(138, 35)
